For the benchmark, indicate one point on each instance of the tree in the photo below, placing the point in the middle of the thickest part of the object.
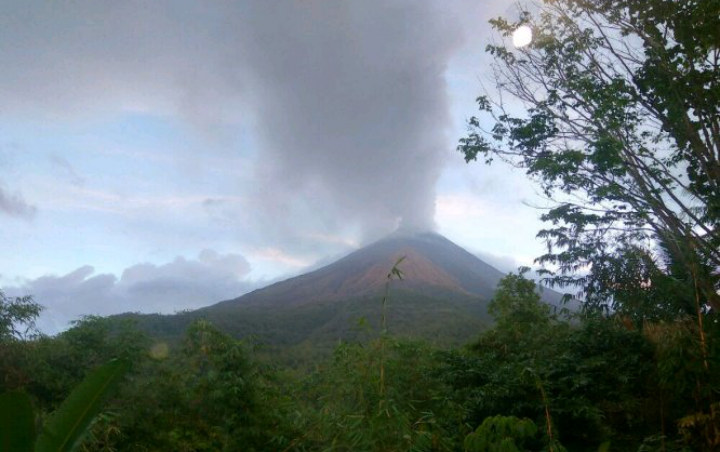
(582, 383)
(621, 129)
(500, 434)
(639, 288)
(344, 404)
(17, 316)
(208, 395)
(516, 304)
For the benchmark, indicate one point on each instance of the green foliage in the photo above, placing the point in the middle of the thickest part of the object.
(702, 430)
(208, 395)
(17, 316)
(501, 434)
(346, 409)
(534, 381)
(619, 127)
(50, 367)
(68, 423)
(17, 421)
(617, 121)
(516, 304)
(300, 335)
(584, 383)
(631, 283)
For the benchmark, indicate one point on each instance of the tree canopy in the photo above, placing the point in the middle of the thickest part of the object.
(17, 316)
(614, 109)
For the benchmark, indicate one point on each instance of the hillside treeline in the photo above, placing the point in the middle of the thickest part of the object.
(538, 380)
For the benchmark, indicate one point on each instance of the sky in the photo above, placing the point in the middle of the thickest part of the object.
(161, 156)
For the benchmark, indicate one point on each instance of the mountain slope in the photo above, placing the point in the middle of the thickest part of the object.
(432, 263)
(443, 296)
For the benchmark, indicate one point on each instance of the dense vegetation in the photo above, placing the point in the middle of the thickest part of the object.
(614, 111)
(535, 381)
(450, 320)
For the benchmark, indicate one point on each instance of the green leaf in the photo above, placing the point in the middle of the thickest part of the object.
(17, 422)
(71, 419)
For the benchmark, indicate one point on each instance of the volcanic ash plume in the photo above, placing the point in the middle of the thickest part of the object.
(353, 107)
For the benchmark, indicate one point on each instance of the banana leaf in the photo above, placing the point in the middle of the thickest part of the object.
(17, 422)
(68, 423)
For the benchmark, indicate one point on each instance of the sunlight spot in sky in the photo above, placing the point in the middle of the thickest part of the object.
(522, 36)
(279, 256)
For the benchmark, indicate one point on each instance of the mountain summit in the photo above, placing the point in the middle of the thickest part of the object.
(431, 264)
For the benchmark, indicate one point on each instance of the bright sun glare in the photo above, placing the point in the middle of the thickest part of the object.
(522, 36)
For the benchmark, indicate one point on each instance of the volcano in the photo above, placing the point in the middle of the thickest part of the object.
(442, 296)
(431, 264)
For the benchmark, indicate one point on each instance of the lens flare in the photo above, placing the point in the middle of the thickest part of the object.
(159, 350)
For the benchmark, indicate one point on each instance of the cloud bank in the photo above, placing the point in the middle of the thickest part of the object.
(174, 286)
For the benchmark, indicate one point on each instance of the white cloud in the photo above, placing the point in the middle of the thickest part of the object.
(166, 288)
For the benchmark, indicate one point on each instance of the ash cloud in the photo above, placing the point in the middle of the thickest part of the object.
(347, 99)
(354, 106)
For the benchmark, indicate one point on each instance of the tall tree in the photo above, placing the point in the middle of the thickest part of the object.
(620, 125)
(17, 316)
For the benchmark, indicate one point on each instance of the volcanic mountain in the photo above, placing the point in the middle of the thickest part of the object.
(442, 296)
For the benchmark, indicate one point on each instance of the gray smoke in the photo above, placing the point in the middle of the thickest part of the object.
(346, 99)
(353, 106)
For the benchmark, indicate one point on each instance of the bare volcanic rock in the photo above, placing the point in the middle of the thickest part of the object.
(432, 264)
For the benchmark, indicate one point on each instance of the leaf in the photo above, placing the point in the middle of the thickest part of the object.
(17, 421)
(71, 419)
(395, 270)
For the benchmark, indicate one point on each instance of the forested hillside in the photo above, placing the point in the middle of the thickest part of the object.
(535, 380)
